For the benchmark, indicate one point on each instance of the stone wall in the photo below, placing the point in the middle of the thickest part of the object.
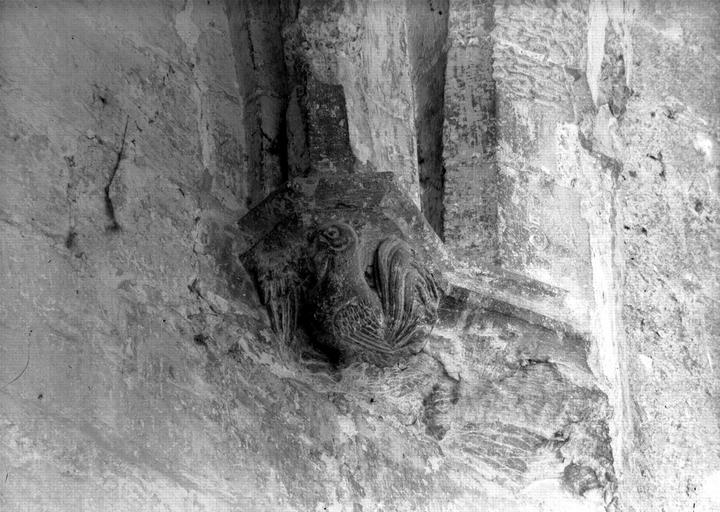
(139, 371)
(570, 158)
(124, 166)
(469, 135)
(669, 191)
(605, 185)
(254, 30)
(368, 79)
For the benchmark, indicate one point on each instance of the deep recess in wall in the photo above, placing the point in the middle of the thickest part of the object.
(255, 30)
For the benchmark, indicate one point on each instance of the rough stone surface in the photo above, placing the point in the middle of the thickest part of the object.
(254, 29)
(669, 194)
(469, 143)
(596, 103)
(361, 46)
(369, 77)
(138, 367)
(427, 30)
(557, 190)
(534, 43)
(139, 370)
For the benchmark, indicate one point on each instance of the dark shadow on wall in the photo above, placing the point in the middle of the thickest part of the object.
(427, 37)
(255, 29)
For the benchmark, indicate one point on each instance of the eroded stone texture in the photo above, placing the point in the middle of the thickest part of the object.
(506, 392)
(469, 134)
(360, 46)
(558, 217)
(669, 192)
(255, 29)
(567, 143)
(519, 400)
(427, 25)
(369, 76)
(540, 224)
(327, 126)
(122, 156)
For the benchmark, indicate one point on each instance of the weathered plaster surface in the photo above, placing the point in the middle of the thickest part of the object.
(121, 146)
(598, 103)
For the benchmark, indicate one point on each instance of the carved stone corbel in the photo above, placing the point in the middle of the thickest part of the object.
(329, 258)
